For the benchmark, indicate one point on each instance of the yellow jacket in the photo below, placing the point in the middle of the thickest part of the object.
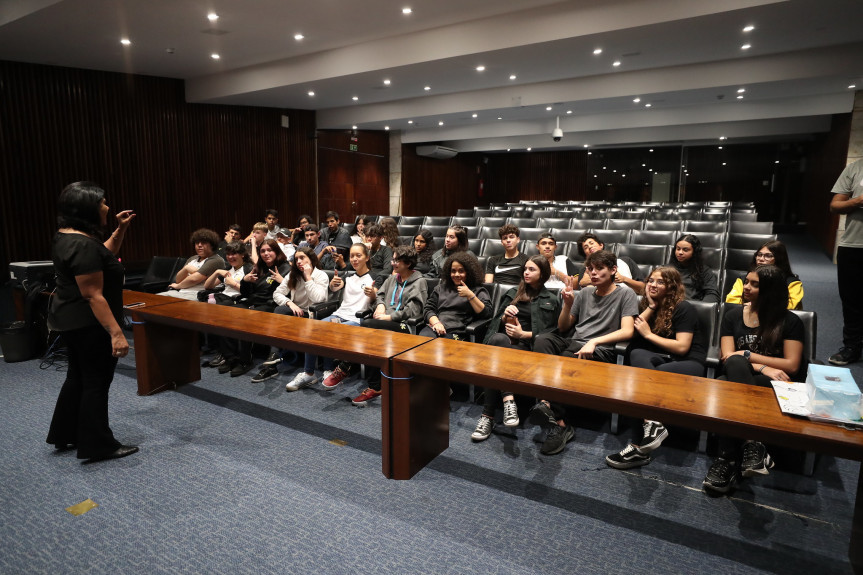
(795, 293)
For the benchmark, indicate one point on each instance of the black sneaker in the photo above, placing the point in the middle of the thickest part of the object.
(721, 476)
(274, 359)
(542, 415)
(557, 439)
(756, 460)
(240, 368)
(654, 434)
(627, 458)
(845, 356)
(269, 372)
(227, 366)
(217, 361)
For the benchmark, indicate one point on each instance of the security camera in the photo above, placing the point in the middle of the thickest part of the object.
(557, 133)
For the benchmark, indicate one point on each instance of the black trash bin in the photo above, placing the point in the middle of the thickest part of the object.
(16, 341)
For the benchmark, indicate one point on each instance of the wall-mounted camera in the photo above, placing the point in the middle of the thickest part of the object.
(557, 133)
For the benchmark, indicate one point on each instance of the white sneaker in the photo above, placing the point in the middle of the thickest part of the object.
(510, 413)
(483, 428)
(327, 373)
(301, 380)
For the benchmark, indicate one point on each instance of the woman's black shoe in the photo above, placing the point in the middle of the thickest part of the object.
(121, 451)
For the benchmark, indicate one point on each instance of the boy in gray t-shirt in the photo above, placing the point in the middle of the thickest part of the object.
(603, 314)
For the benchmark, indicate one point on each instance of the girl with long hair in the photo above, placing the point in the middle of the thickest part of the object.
(454, 241)
(390, 232)
(424, 246)
(700, 281)
(760, 341)
(457, 300)
(667, 338)
(525, 312)
(771, 253)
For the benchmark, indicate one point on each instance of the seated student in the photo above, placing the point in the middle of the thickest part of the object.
(772, 253)
(760, 341)
(457, 300)
(285, 244)
(628, 272)
(454, 241)
(256, 292)
(359, 236)
(233, 234)
(667, 338)
(238, 266)
(255, 240)
(381, 256)
(401, 296)
(602, 314)
(506, 268)
(357, 297)
(313, 240)
(305, 285)
(272, 219)
(190, 279)
(424, 246)
(530, 305)
(335, 235)
(389, 232)
(564, 272)
(700, 281)
(299, 232)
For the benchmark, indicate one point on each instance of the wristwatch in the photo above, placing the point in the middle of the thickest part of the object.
(747, 353)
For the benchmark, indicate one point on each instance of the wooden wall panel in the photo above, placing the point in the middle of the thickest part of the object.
(180, 166)
(432, 187)
(353, 182)
(535, 176)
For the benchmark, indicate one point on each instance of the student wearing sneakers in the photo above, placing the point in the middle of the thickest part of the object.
(357, 297)
(457, 300)
(305, 285)
(525, 312)
(601, 315)
(564, 272)
(256, 292)
(667, 338)
(760, 341)
(401, 296)
(506, 268)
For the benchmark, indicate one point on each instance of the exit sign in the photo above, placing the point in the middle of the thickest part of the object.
(353, 147)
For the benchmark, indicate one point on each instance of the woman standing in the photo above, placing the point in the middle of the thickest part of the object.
(759, 341)
(668, 338)
(87, 308)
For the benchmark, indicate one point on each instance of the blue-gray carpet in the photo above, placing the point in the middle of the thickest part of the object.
(236, 477)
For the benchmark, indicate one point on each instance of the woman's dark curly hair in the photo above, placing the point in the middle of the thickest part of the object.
(473, 271)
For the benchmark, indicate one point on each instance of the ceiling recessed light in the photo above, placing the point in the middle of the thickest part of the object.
(723, 163)
(585, 145)
(311, 93)
(480, 68)
(597, 51)
(650, 150)
(723, 138)
(740, 97)
(500, 117)
(427, 88)
(512, 76)
(440, 123)
(529, 149)
(406, 10)
(720, 147)
(386, 127)
(643, 165)
(616, 63)
(473, 116)
(410, 121)
(354, 127)
(387, 82)
(636, 100)
(355, 98)
(590, 153)
(749, 28)
(507, 149)
(852, 86)
(215, 56)
(648, 105)
(298, 37)
(212, 16)
(569, 111)
(746, 47)
(741, 90)
(776, 162)
(548, 108)
(125, 41)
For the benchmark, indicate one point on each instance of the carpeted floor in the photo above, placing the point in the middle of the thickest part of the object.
(236, 477)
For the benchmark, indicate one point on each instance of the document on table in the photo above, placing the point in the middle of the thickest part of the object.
(793, 398)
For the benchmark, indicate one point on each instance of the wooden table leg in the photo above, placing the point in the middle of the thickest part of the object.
(165, 357)
(855, 547)
(415, 422)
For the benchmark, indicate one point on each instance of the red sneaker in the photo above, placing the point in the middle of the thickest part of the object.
(368, 394)
(334, 379)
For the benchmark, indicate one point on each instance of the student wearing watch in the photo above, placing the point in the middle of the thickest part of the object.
(760, 341)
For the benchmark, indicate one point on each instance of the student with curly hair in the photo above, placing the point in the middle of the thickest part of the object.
(190, 279)
(700, 281)
(667, 338)
(457, 300)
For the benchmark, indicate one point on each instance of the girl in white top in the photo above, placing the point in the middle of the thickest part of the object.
(306, 285)
(357, 297)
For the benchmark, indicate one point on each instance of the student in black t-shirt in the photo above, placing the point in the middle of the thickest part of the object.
(760, 341)
(506, 268)
(87, 308)
(667, 338)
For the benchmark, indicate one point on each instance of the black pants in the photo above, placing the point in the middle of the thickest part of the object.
(238, 350)
(737, 368)
(849, 271)
(373, 374)
(494, 397)
(81, 413)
